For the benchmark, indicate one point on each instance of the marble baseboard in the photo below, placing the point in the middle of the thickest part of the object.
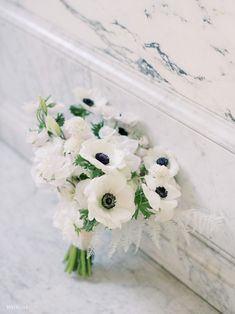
(49, 63)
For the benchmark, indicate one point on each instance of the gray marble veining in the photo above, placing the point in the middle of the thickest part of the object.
(187, 46)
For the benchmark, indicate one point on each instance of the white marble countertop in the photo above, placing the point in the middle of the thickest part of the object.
(187, 46)
(32, 276)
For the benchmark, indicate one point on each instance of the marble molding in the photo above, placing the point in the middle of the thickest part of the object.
(187, 46)
(33, 63)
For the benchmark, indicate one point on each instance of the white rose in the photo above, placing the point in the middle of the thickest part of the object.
(51, 165)
(110, 200)
(66, 218)
(74, 126)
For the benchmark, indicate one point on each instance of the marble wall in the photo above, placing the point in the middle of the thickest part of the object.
(36, 58)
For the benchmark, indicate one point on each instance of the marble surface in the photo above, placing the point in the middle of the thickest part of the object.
(32, 276)
(33, 65)
(187, 46)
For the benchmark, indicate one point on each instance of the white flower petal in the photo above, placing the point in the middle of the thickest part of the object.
(152, 197)
(173, 192)
(106, 132)
(80, 196)
(90, 148)
(124, 207)
(165, 215)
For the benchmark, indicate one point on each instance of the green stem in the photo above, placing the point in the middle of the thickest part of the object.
(72, 259)
(82, 268)
(66, 257)
(89, 266)
(77, 260)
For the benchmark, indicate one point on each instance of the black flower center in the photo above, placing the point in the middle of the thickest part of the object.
(103, 158)
(161, 191)
(122, 131)
(89, 102)
(108, 201)
(162, 161)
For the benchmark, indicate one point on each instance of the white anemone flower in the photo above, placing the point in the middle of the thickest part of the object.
(128, 119)
(157, 155)
(90, 99)
(162, 198)
(110, 200)
(127, 146)
(51, 165)
(103, 155)
(66, 219)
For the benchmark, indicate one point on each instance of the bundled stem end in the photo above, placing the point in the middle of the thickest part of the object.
(78, 261)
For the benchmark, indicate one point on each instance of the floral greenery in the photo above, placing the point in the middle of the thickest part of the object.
(143, 170)
(88, 225)
(92, 170)
(60, 119)
(95, 127)
(78, 111)
(142, 204)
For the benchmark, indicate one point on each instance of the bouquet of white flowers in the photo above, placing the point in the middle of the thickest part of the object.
(106, 174)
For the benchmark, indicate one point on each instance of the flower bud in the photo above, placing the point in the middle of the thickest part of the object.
(52, 126)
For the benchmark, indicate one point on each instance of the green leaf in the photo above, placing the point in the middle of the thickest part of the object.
(51, 105)
(83, 213)
(134, 175)
(143, 170)
(79, 111)
(40, 115)
(47, 98)
(88, 225)
(96, 128)
(82, 177)
(142, 204)
(77, 229)
(60, 119)
(92, 170)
